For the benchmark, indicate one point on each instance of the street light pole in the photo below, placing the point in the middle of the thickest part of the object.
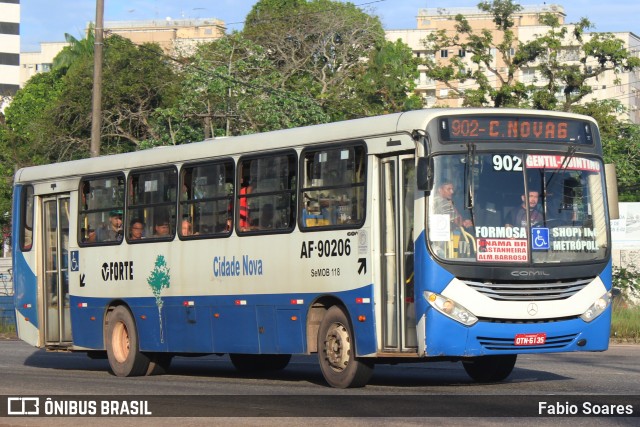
(96, 115)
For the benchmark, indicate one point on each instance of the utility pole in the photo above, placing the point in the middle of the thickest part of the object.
(96, 115)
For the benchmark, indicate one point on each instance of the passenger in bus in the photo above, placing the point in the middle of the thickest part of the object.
(111, 231)
(88, 235)
(186, 229)
(136, 231)
(161, 226)
(267, 218)
(443, 204)
(243, 207)
(518, 217)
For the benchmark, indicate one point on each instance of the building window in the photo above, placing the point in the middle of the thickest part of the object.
(462, 53)
(444, 53)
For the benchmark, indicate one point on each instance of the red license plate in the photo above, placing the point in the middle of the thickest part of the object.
(530, 339)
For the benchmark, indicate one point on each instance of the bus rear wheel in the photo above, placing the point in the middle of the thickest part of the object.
(488, 369)
(336, 352)
(123, 349)
(259, 362)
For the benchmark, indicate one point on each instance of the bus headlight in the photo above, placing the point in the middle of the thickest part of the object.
(450, 308)
(597, 308)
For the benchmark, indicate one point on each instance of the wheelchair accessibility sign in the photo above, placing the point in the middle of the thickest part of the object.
(540, 239)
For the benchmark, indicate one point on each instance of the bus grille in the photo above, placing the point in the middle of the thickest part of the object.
(529, 291)
(557, 342)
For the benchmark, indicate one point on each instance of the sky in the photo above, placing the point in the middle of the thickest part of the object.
(49, 20)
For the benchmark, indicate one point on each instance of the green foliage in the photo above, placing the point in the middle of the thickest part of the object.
(563, 56)
(230, 87)
(320, 49)
(627, 281)
(76, 50)
(625, 322)
(390, 74)
(136, 81)
(623, 150)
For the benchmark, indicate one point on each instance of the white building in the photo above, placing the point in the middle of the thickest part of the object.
(623, 86)
(9, 47)
(32, 63)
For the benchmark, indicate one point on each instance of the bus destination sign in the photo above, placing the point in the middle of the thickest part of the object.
(514, 129)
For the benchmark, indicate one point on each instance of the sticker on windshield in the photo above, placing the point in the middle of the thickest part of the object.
(502, 250)
(540, 239)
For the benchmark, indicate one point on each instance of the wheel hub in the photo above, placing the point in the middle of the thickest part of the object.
(338, 347)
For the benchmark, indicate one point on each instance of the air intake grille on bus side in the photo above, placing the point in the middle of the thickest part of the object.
(529, 291)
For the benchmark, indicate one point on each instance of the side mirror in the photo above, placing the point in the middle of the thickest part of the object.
(424, 174)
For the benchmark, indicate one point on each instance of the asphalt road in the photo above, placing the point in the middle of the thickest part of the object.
(211, 386)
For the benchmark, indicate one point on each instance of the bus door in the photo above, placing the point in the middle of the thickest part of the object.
(397, 184)
(57, 320)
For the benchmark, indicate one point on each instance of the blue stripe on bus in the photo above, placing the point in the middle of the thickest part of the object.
(264, 324)
(25, 289)
(24, 279)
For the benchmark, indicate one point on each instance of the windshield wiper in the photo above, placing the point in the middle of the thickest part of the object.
(565, 163)
(469, 178)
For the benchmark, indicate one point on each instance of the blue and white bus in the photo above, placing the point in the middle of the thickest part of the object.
(469, 235)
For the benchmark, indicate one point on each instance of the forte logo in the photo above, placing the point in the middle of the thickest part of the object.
(117, 270)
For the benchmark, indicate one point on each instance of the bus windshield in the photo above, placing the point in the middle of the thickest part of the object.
(517, 208)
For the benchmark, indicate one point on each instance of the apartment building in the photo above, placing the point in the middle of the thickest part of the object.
(9, 47)
(174, 37)
(32, 63)
(623, 86)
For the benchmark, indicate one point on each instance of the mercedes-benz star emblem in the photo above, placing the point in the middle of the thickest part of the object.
(532, 309)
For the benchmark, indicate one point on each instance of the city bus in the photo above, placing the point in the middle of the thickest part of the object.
(464, 235)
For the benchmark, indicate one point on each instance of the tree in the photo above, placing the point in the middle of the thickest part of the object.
(568, 59)
(136, 81)
(230, 87)
(623, 150)
(324, 49)
(565, 57)
(389, 75)
(82, 48)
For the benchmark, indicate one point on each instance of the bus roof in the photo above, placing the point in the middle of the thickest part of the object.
(280, 139)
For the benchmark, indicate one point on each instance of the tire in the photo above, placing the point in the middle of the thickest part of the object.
(159, 363)
(123, 349)
(260, 362)
(489, 369)
(336, 352)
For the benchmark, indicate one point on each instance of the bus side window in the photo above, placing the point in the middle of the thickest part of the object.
(26, 221)
(152, 200)
(100, 210)
(266, 198)
(207, 199)
(333, 187)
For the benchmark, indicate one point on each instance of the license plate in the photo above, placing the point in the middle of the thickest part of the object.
(530, 339)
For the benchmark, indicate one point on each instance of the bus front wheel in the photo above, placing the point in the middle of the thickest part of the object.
(336, 352)
(123, 350)
(487, 369)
